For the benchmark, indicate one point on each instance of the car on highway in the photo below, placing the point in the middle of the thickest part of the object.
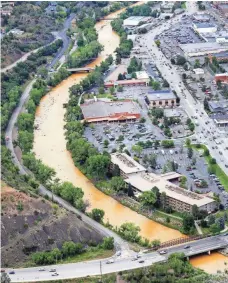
(55, 274)
(12, 272)
(162, 252)
(141, 261)
(42, 269)
(52, 270)
(187, 247)
(110, 261)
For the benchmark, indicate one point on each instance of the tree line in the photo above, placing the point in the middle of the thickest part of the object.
(69, 249)
(13, 80)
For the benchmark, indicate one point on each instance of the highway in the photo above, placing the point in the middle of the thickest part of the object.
(204, 132)
(121, 263)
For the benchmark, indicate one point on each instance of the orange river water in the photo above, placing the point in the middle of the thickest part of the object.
(50, 147)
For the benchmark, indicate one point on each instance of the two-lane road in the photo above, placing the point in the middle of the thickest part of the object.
(121, 263)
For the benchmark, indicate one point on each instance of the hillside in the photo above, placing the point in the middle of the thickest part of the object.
(34, 224)
(35, 25)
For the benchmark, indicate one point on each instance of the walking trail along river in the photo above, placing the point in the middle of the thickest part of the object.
(50, 147)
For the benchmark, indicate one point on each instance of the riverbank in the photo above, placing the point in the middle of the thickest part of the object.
(50, 147)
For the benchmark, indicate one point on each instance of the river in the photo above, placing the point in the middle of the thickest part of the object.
(50, 147)
(210, 263)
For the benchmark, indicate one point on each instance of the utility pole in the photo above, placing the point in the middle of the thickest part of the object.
(101, 271)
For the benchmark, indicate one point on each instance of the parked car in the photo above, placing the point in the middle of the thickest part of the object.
(162, 252)
(110, 261)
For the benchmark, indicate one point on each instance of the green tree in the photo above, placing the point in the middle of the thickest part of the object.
(190, 152)
(148, 198)
(69, 248)
(153, 161)
(97, 165)
(97, 214)
(212, 161)
(156, 243)
(117, 183)
(188, 222)
(158, 43)
(130, 232)
(108, 243)
(137, 149)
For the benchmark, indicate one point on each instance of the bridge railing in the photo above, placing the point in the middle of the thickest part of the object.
(178, 241)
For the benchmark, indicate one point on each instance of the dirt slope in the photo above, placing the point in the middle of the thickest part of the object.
(34, 224)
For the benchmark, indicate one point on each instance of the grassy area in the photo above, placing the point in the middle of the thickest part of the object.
(106, 278)
(223, 178)
(91, 254)
(221, 213)
(105, 95)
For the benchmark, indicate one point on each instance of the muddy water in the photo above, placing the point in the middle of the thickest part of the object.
(210, 263)
(50, 147)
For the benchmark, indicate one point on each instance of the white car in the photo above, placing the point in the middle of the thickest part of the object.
(42, 269)
(110, 261)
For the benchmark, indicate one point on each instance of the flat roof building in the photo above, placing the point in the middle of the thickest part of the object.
(221, 120)
(201, 17)
(161, 98)
(126, 163)
(133, 82)
(178, 198)
(142, 75)
(115, 111)
(216, 106)
(221, 56)
(135, 20)
(203, 48)
(204, 27)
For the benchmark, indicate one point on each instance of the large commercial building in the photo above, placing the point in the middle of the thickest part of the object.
(126, 164)
(203, 48)
(135, 20)
(177, 198)
(204, 27)
(161, 98)
(115, 111)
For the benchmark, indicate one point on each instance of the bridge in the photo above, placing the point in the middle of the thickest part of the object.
(80, 70)
(107, 19)
(199, 246)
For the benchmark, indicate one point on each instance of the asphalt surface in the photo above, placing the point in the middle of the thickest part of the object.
(65, 39)
(120, 263)
(124, 262)
(192, 107)
(119, 243)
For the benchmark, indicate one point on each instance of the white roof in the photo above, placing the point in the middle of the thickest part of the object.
(135, 20)
(142, 75)
(146, 181)
(198, 71)
(126, 163)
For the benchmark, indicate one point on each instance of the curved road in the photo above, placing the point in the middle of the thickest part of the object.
(121, 263)
(61, 34)
(119, 243)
